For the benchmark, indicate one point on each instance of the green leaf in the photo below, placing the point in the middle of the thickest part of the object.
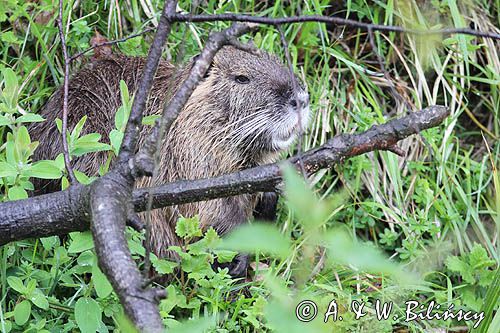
(23, 137)
(7, 170)
(83, 178)
(29, 118)
(347, 251)
(44, 170)
(39, 299)
(10, 89)
(4, 121)
(49, 242)
(22, 312)
(17, 284)
(9, 37)
(150, 120)
(75, 133)
(101, 284)
(258, 237)
(17, 193)
(116, 138)
(188, 227)
(163, 266)
(88, 315)
(81, 241)
(225, 255)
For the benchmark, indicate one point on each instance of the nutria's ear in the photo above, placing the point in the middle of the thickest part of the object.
(209, 69)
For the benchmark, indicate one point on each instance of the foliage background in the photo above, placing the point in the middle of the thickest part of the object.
(422, 227)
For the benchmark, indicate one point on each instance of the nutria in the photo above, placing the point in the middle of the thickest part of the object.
(243, 113)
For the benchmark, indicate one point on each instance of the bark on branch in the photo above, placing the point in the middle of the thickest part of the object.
(62, 212)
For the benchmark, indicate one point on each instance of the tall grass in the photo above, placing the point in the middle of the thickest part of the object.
(434, 212)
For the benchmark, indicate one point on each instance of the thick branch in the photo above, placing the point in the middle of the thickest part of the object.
(16, 220)
(110, 203)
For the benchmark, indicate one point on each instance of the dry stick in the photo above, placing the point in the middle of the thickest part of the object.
(65, 211)
(110, 43)
(67, 160)
(110, 205)
(327, 20)
(267, 178)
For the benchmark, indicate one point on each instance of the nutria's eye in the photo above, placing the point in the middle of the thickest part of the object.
(242, 79)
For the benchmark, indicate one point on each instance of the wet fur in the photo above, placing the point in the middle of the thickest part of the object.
(204, 141)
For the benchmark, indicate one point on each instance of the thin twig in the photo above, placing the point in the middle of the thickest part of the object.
(299, 19)
(67, 160)
(328, 20)
(111, 42)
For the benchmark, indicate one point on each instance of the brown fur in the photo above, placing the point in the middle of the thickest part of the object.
(201, 143)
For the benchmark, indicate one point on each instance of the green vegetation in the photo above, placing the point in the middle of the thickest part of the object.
(425, 227)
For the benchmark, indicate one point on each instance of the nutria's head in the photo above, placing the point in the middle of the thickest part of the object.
(261, 105)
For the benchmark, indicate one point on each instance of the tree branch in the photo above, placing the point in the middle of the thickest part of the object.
(15, 217)
(110, 203)
(67, 160)
(328, 20)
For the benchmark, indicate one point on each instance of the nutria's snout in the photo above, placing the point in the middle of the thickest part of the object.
(294, 121)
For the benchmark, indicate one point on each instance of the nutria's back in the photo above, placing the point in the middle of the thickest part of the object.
(243, 113)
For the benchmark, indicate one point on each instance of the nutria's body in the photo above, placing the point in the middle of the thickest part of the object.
(242, 114)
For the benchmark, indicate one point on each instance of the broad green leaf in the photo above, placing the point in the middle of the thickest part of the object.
(49, 242)
(83, 178)
(85, 147)
(88, 314)
(101, 284)
(224, 256)
(29, 118)
(346, 251)
(7, 170)
(81, 241)
(310, 211)
(4, 121)
(22, 312)
(115, 138)
(257, 237)
(39, 299)
(17, 284)
(199, 325)
(17, 193)
(150, 120)
(10, 87)
(75, 133)
(188, 227)
(163, 266)
(44, 170)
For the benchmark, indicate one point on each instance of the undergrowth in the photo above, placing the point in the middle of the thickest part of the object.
(377, 227)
